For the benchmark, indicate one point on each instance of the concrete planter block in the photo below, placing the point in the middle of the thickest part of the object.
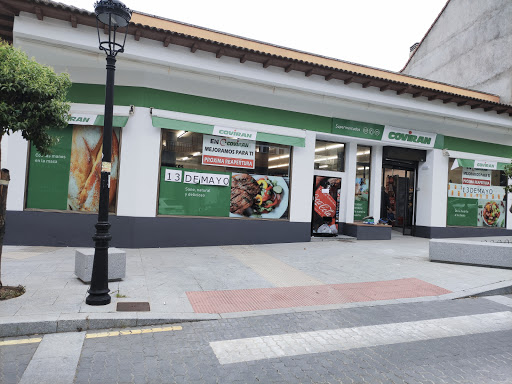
(116, 264)
(489, 252)
(367, 231)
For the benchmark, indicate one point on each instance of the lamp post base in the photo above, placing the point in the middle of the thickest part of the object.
(98, 298)
(98, 293)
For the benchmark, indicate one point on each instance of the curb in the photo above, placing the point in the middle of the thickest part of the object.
(25, 325)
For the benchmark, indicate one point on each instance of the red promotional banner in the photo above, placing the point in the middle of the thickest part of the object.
(228, 162)
(471, 176)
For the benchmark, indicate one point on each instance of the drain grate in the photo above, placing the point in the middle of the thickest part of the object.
(141, 306)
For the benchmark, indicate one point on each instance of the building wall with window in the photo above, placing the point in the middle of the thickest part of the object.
(171, 109)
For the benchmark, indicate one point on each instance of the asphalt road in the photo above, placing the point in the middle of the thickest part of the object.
(459, 341)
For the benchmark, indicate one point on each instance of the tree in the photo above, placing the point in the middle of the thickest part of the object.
(32, 100)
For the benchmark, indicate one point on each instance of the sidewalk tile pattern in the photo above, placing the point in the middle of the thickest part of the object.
(287, 297)
(270, 268)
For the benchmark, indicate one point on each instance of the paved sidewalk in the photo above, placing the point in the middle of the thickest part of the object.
(167, 278)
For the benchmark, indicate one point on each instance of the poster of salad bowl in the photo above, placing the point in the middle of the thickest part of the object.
(258, 196)
(491, 213)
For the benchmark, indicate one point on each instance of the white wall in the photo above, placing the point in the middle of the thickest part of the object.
(350, 172)
(139, 166)
(147, 63)
(16, 163)
(301, 191)
(432, 196)
(375, 182)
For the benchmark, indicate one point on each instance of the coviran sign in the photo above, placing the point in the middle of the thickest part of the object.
(416, 138)
(235, 133)
(82, 119)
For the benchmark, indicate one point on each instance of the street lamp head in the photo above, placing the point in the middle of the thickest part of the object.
(113, 14)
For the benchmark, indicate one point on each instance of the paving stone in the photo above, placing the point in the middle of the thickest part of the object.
(183, 357)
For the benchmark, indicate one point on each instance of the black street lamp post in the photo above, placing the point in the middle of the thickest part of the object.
(113, 14)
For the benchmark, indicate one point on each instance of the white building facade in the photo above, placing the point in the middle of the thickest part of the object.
(314, 150)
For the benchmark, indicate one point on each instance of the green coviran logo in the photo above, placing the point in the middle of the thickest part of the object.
(235, 133)
(409, 137)
(79, 119)
(484, 165)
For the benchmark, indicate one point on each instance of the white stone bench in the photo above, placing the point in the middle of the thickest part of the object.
(482, 251)
(84, 260)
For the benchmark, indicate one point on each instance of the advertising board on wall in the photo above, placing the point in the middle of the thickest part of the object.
(188, 192)
(407, 136)
(326, 207)
(476, 205)
(386, 133)
(471, 176)
(228, 152)
(69, 178)
(361, 198)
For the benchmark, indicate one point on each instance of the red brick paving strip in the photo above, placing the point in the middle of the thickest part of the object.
(271, 298)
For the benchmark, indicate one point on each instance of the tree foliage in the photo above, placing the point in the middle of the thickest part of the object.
(32, 98)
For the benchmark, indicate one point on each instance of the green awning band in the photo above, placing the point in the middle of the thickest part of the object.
(468, 163)
(179, 125)
(280, 139)
(117, 121)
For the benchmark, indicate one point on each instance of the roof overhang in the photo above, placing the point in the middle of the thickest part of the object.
(170, 32)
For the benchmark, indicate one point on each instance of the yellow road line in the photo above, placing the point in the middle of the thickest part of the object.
(132, 332)
(21, 341)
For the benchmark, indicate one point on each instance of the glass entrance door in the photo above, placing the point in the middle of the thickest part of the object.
(398, 198)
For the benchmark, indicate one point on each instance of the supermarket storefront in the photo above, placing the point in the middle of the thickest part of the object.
(210, 150)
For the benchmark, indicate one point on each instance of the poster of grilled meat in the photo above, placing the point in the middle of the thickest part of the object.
(259, 196)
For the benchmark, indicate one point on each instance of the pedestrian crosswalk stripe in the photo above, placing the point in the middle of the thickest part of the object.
(21, 341)
(132, 332)
(303, 343)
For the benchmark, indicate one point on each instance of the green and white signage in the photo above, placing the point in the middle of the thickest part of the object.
(357, 129)
(479, 164)
(194, 193)
(48, 176)
(69, 178)
(410, 137)
(235, 133)
(389, 134)
(476, 205)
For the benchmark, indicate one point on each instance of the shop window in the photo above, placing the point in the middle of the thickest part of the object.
(329, 156)
(476, 197)
(206, 175)
(69, 178)
(362, 190)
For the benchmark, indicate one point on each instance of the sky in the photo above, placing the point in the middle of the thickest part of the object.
(375, 33)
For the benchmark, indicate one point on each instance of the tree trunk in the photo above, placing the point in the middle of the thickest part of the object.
(4, 184)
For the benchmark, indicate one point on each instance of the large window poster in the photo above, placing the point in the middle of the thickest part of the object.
(228, 152)
(475, 202)
(326, 206)
(361, 198)
(48, 176)
(362, 182)
(69, 178)
(259, 196)
(189, 192)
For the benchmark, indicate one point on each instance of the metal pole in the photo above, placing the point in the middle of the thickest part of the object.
(99, 291)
